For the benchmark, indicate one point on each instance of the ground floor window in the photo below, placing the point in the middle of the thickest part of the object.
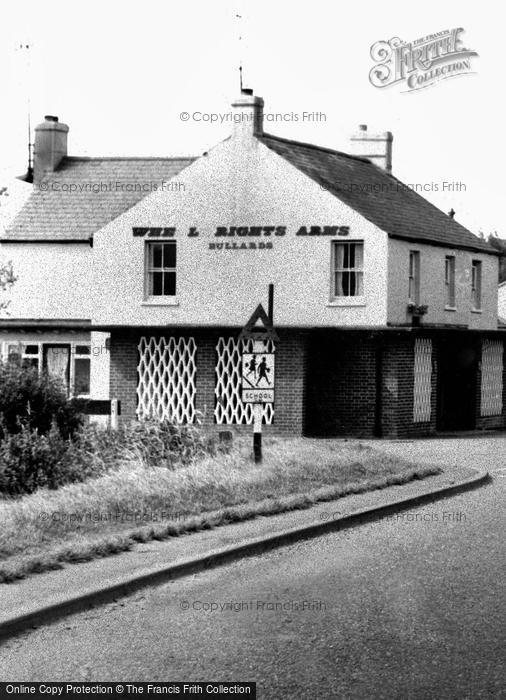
(166, 379)
(68, 362)
(491, 377)
(422, 391)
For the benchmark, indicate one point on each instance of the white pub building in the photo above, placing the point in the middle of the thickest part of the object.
(385, 307)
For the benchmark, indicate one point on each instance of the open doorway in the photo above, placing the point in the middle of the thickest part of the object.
(457, 384)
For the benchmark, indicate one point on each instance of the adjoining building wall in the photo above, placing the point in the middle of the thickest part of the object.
(432, 285)
(53, 280)
(100, 352)
(71, 355)
(502, 300)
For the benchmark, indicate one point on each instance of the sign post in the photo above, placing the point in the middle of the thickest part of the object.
(258, 369)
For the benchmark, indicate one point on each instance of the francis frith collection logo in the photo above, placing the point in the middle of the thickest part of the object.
(420, 63)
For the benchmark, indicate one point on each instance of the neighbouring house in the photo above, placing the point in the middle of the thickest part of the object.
(385, 307)
(501, 302)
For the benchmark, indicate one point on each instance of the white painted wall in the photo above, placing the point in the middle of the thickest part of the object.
(53, 280)
(502, 300)
(99, 379)
(239, 183)
(432, 285)
(13, 194)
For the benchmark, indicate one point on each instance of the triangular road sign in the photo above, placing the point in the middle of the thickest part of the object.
(259, 327)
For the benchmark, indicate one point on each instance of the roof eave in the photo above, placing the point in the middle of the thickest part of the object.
(446, 244)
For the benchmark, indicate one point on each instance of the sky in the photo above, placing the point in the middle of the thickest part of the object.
(121, 73)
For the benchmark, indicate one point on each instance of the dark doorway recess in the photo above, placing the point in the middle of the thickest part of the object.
(457, 384)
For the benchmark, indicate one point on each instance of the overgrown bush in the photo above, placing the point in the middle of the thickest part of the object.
(31, 460)
(36, 401)
(167, 444)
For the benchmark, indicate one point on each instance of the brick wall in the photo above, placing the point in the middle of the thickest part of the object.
(326, 382)
(398, 389)
(341, 393)
(123, 371)
(290, 375)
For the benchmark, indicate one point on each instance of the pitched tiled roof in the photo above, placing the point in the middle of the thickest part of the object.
(85, 194)
(376, 195)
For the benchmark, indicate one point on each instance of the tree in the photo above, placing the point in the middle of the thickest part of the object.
(500, 245)
(7, 279)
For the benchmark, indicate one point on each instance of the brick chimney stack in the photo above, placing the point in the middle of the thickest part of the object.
(248, 114)
(50, 146)
(375, 147)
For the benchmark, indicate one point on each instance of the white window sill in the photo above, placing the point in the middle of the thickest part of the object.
(348, 301)
(161, 301)
(476, 311)
(450, 308)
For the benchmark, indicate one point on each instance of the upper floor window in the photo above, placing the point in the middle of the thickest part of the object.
(348, 269)
(450, 281)
(161, 269)
(476, 284)
(414, 277)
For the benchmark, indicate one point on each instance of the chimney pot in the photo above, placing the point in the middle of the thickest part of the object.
(50, 118)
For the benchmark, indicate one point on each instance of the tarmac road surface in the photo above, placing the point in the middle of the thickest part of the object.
(411, 606)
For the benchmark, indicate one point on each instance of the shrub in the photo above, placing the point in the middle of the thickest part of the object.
(31, 460)
(167, 444)
(37, 400)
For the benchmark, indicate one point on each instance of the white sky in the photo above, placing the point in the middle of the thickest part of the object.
(120, 74)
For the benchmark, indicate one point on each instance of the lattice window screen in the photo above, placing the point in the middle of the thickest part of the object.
(166, 376)
(423, 384)
(229, 408)
(491, 377)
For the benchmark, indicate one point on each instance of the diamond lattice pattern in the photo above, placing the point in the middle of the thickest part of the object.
(166, 379)
(491, 377)
(229, 409)
(423, 380)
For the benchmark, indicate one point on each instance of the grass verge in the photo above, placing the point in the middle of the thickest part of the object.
(135, 503)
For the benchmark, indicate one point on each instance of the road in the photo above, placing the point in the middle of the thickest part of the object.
(406, 607)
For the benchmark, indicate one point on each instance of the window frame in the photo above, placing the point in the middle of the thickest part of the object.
(414, 266)
(23, 355)
(337, 299)
(476, 284)
(149, 270)
(450, 285)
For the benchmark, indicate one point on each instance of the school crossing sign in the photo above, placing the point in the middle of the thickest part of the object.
(257, 368)
(258, 377)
